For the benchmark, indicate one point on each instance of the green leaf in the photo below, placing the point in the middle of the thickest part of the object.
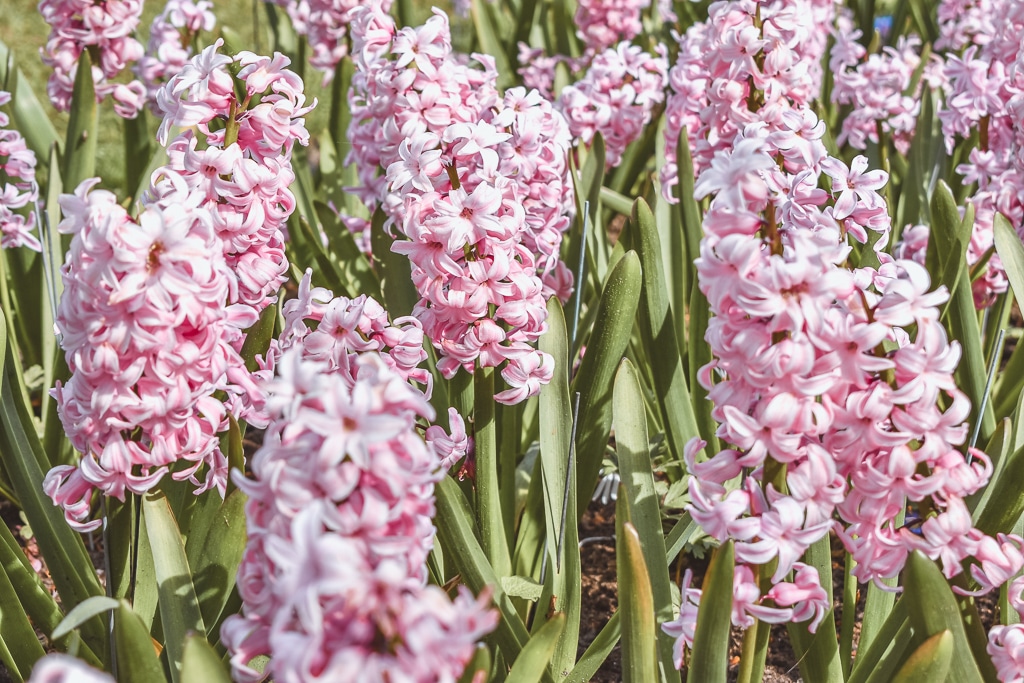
(400, 295)
(930, 662)
(83, 611)
(522, 587)
(1011, 253)
(83, 127)
(180, 613)
(818, 653)
(357, 276)
(489, 34)
(257, 338)
(530, 665)
(658, 332)
(138, 148)
(137, 659)
(933, 609)
(488, 499)
(16, 632)
(636, 602)
(886, 652)
(22, 454)
(479, 664)
(30, 118)
(201, 663)
(709, 661)
(605, 349)
(561, 585)
(455, 531)
(632, 447)
(214, 549)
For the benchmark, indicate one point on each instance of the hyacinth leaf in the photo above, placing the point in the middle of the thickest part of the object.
(53, 259)
(137, 656)
(397, 288)
(933, 609)
(35, 600)
(619, 203)
(180, 612)
(138, 149)
(972, 372)
(1009, 496)
(455, 531)
(562, 583)
(201, 663)
(478, 665)
(488, 32)
(22, 646)
(336, 139)
(709, 660)
(700, 355)
(533, 661)
(613, 326)
(877, 606)
(930, 662)
(354, 268)
(257, 338)
(818, 653)
(63, 550)
(913, 204)
(283, 35)
(639, 650)
(29, 116)
(999, 447)
(83, 612)
(83, 127)
(1011, 253)
(216, 543)
(632, 447)
(670, 232)
(688, 206)
(598, 650)
(488, 499)
(947, 245)
(658, 332)
(880, 659)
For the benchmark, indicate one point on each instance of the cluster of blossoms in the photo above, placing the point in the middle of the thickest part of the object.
(616, 97)
(477, 185)
(325, 24)
(601, 24)
(984, 95)
(876, 88)
(104, 28)
(333, 580)
(748, 63)
(171, 39)
(154, 309)
(1006, 643)
(18, 188)
(833, 386)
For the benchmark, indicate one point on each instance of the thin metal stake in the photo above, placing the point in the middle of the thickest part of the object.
(568, 479)
(46, 232)
(997, 352)
(580, 270)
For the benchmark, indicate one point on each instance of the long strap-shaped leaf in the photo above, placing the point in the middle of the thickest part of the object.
(83, 127)
(709, 662)
(612, 327)
(633, 449)
(69, 563)
(532, 662)
(562, 583)
(659, 335)
(179, 606)
(636, 602)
